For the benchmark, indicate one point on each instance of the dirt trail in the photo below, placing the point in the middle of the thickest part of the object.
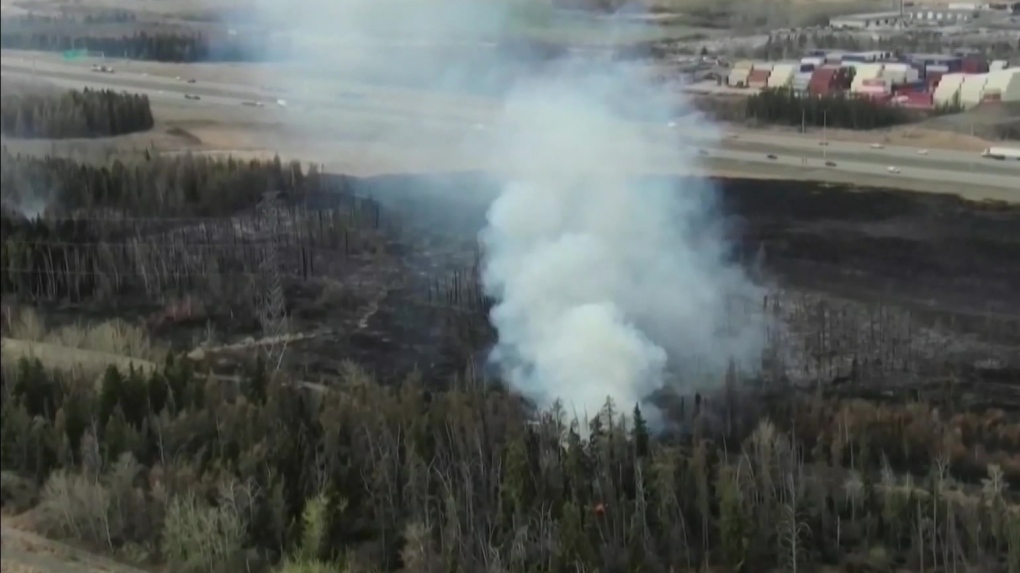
(26, 552)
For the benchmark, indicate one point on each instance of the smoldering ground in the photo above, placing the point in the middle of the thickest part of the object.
(602, 282)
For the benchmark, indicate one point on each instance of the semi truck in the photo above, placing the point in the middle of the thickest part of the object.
(1002, 153)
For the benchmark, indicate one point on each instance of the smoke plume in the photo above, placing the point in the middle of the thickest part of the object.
(610, 282)
(604, 279)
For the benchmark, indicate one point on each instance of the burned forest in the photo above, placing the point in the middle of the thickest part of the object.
(226, 365)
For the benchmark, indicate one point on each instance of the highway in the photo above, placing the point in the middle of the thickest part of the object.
(440, 117)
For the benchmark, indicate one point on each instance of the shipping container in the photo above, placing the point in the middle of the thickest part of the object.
(815, 61)
(998, 65)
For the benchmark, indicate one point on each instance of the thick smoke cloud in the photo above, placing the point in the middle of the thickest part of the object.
(604, 279)
(609, 285)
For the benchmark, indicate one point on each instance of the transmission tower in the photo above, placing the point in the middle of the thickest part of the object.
(271, 306)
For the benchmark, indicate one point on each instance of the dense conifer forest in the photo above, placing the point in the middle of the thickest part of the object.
(149, 184)
(173, 466)
(182, 46)
(838, 111)
(87, 113)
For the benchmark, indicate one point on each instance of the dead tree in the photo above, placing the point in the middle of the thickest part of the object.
(271, 307)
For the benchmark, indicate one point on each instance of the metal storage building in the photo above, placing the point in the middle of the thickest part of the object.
(825, 80)
(948, 90)
(973, 89)
(874, 87)
(801, 81)
(759, 76)
(899, 73)
(1007, 82)
(782, 74)
(738, 75)
(974, 65)
(758, 79)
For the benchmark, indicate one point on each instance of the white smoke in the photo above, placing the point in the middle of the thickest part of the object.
(605, 282)
(602, 278)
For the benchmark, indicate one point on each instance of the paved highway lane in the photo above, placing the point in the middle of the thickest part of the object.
(395, 115)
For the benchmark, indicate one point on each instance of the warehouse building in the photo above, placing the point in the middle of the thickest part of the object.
(868, 21)
(948, 15)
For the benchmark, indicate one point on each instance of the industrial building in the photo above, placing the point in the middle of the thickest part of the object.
(948, 15)
(782, 74)
(868, 21)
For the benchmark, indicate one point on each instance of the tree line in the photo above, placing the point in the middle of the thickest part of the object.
(87, 113)
(838, 110)
(151, 185)
(425, 476)
(105, 16)
(184, 47)
(786, 107)
(793, 45)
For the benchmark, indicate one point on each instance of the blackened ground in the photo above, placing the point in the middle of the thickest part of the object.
(880, 288)
(938, 276)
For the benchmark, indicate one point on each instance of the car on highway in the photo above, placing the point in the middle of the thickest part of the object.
(830, 163)
(191, 80)
(877, 146)
(893, 169)
(702, 152)
(192, 96)
(772, 156)
(922, 152)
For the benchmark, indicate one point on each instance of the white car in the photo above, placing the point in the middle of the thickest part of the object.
(922, 152)
(893, 169)
(877, 146)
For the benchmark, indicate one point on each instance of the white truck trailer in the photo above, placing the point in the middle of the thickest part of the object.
(1002, 153)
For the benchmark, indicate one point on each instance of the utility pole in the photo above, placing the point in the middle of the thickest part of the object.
(803, 130)
(825, 142)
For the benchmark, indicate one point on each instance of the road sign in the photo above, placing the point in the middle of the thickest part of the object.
(75, 54)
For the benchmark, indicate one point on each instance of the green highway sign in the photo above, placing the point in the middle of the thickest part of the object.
(75, 54)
